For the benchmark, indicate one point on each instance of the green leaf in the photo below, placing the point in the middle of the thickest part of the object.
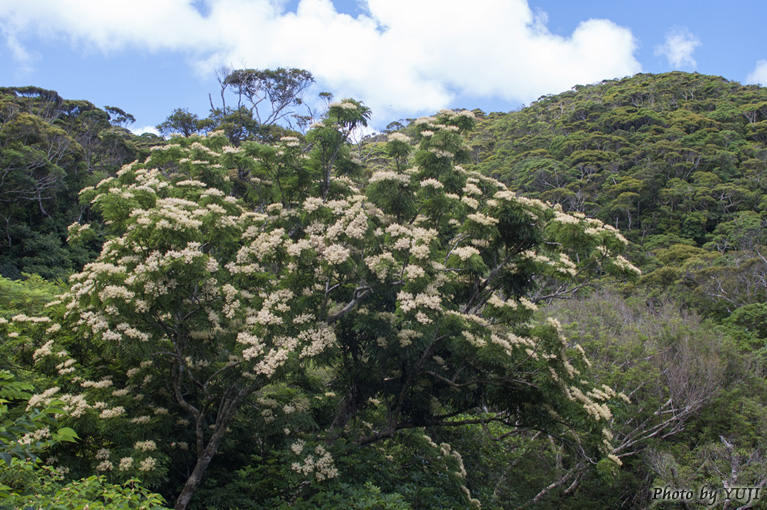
(67, 434)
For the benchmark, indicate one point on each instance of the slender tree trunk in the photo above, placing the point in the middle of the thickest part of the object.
(325, 182)
(40, 203)
(204, 458)
(196, 477)
(347, 410)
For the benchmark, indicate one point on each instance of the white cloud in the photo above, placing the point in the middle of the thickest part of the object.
(403, 55)
(20, 54)
(145, 129)
(759, 74)
(678, 48)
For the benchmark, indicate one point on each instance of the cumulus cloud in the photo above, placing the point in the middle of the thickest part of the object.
(759, 74)
(678, 48)
(400, 55)
(145, 129)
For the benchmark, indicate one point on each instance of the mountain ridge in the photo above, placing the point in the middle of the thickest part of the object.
(644, 153)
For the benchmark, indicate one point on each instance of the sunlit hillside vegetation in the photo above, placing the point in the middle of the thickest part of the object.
(557, 307)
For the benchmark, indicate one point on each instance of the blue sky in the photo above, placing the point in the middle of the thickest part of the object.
(404, 58)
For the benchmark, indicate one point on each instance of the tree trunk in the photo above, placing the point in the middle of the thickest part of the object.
(204, 458)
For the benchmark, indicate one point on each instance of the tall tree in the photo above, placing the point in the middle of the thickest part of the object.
(265, 100)
(416, 317)
(182, 121)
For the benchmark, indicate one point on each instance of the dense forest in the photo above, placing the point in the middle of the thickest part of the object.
(558, 307)
(676, 161)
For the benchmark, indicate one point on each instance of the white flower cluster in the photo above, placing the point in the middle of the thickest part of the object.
(566, 218)
(505, 195)
(104, 383)
(43, 398)
(389, 175)
(408, 301)
(357, 228)
(277, 356)
(311, 204)
(398, 137)
(322, 465)
(112, 413)
(336, 254)
(526, 303)
(104, 466)
(452, 114)
(414, 272)
(617, 234)
(43, 351)
(567, 266)
(441, 153)
(470, 201)
(145, 446)
(406, 337)
(262, 246)
(34, 437)
(497, 302)
(625, 265)
(483, 219)
(191, 183)
(595, 410)
(24, 318)
(434, 183)
(290, 141)
(471, 189)
(465, 252)
(346, 105)
(75, 405)
(116, 292)
(381, 264)
(318, 339)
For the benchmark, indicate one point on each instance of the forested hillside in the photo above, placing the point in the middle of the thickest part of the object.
(558, 307)
(665, 158)
(676, 161)
(51, 148)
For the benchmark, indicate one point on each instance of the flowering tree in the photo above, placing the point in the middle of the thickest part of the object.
(408, 290)
(29, 430)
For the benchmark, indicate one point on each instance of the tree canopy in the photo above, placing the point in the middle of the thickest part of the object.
(50, 148)
(268, 318)
(406, 297)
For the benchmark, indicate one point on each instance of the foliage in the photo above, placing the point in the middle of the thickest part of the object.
(282, 320)
(696, 399)
(663, 154)
(266, 101)
(270, 93)
(676, 160)
(42, 487)
(182, 122)
(405, 317)
(50, 148)
(29, 430)
(29, 295)
(25, 432)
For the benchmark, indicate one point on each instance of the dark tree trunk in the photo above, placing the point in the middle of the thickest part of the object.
(204, 457)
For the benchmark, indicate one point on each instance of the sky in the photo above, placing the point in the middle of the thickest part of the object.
(402, 58)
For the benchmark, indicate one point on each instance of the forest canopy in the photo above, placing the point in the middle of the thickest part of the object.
(263, 317)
